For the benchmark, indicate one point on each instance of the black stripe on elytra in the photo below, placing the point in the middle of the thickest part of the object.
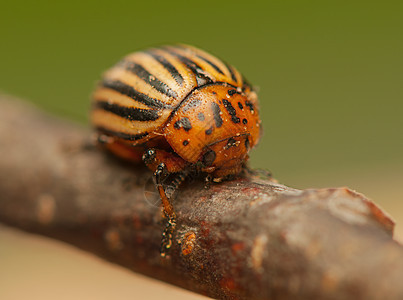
(122, 135)
(217, 114)
(168, 66)
(250, 105)
(231, 110)
(201, 78)
(211, 64)
(129, 113)
(129, 91)
(183, 123)
(231, 71)
(149, 78)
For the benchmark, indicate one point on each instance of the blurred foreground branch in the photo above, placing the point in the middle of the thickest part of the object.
(251, 238)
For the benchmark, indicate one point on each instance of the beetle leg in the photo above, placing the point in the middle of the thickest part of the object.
(159, 175)
(177, 181)
(165, 163)
(169, 212)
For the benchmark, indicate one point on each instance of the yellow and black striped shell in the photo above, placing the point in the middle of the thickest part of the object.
(183, 100)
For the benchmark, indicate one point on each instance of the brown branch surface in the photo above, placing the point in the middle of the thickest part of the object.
(250, 238)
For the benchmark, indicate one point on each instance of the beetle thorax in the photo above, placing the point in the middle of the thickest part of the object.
(214, 128)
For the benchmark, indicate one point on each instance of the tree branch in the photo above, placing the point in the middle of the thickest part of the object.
(251, 238)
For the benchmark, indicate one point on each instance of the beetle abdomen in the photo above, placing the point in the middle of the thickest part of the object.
(136, 97)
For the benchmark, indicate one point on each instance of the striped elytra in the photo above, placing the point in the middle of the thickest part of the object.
(179, 109)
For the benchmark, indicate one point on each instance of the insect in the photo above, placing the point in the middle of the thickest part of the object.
(179, 110)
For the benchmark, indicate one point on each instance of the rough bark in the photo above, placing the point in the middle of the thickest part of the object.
(251, 238)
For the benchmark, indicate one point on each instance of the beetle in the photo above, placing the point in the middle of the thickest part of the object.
(179, 110)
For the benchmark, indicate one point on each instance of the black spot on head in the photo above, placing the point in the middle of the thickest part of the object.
(208, 158)
(191, 104)
(217, 114)
(231, 110)
(250, 105)
(232, 92)
(209, 131)
(185, 143)
(240, 105)
(247, 143)
(200, 116)
(245, 121)
(214, 93)
(184, 122)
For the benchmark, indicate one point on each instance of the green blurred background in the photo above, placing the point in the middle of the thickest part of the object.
(329, 74)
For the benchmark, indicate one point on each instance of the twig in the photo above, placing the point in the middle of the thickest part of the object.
(250, 238)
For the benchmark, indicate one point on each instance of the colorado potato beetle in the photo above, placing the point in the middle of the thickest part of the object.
(179, 110)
